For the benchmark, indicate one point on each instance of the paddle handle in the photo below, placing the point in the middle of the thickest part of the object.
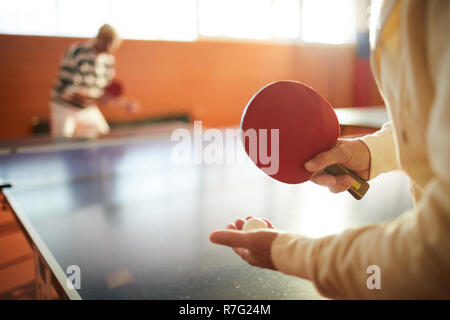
(359, 187)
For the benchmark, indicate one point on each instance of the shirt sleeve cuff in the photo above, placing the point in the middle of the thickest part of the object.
(383, 156)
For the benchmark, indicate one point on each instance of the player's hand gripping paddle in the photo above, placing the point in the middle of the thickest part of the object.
(307, 126)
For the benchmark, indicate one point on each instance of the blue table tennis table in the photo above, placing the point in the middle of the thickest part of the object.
(136, 224)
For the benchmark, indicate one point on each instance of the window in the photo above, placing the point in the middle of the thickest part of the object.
(28, 17)
(327, 21)
(251, 19)
(286, 15)
(155, 19)
(236, 18)
(81, 17)
(134, 19)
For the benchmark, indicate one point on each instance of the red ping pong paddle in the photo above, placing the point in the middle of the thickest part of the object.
(287, 123)
(114, 89)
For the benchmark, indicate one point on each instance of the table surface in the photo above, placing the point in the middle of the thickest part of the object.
(137, 223)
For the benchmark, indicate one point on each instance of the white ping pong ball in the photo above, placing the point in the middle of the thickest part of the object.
(254, 224)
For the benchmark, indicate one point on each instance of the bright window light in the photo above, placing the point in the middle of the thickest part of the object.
(81, 18)
(286, 15)
(250, 19)
(134, 19)
(28, 17)
(328, 21)
(323, 21)
(155, 19)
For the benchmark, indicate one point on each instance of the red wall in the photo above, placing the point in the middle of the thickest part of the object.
(211, 80)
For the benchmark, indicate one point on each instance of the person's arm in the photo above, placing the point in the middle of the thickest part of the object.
(107, 100)
(411, 251)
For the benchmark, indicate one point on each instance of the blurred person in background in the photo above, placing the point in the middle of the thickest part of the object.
(86, 70)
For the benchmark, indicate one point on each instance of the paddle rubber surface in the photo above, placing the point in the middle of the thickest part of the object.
(306, 122)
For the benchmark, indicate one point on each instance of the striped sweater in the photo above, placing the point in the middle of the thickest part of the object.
(83, 71)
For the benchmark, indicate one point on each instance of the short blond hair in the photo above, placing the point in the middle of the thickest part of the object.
(107, 30)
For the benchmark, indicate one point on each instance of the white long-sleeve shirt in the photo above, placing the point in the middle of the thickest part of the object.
(411, 64)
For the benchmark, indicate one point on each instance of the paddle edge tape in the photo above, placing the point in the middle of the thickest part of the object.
(287, 81)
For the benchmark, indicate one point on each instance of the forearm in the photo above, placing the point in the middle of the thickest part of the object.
(82, 94)
(411, 252)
